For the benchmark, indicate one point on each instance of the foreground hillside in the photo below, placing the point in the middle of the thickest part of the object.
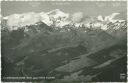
(67, 53)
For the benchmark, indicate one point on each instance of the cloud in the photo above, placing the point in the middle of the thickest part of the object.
(23, 19)
(111, 18)
(27, 19)
(77, 17)
(122, 15)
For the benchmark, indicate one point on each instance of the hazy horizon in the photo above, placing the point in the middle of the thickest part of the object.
(91, 8)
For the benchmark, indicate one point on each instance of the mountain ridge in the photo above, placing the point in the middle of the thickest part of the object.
(57, 18)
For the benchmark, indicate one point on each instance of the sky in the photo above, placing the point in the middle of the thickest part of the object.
(89, 8)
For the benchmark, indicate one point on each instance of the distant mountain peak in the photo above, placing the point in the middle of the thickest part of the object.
(58, 14)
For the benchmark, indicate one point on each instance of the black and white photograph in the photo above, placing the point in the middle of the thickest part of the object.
(63, 41)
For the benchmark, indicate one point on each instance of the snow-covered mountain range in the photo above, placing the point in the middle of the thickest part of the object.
(59, 19)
